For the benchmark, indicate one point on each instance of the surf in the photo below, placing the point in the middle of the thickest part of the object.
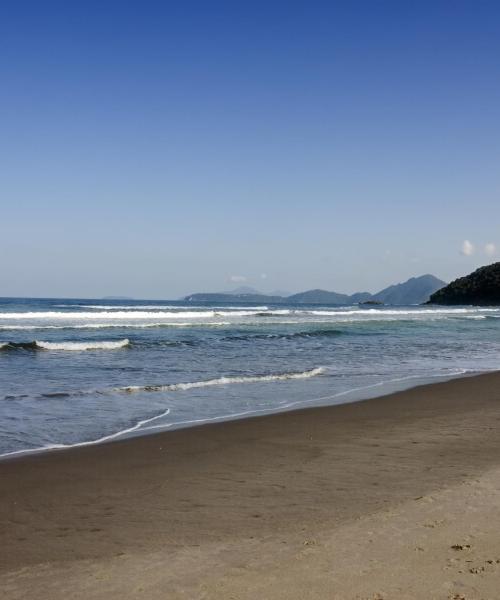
(65, 346)
(174, 387)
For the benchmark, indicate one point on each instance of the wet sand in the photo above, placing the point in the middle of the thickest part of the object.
(363, 500)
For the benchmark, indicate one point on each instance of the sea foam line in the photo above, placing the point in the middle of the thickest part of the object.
(124, 314)
(174, 387)
(114, 325)
(284, 407)
(105, 438)
(157, 307)
(172, 316)
(393, 312)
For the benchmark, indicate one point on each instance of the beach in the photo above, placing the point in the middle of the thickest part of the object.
(393, 497)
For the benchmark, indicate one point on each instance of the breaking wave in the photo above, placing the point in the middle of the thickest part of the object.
(118, 314)
(126, 314)
(112, 325)
(175, 387)
(392, 312)
(157, 307)
(71, 346)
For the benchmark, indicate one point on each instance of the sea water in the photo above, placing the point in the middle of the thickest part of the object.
(75, 372)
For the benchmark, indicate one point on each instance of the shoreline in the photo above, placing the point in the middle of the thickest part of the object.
(257, 503)
(389, 387)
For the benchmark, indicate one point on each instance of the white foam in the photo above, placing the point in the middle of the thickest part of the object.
(128, 317)
(174, 387)
(124, 307)
(79, 346)
(121, 314)
(303, 403)
(239, 307)
(157, 307)
(100, 440)
(398, 312)
(114, 325)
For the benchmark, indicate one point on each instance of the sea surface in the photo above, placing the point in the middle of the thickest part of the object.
(75, 372)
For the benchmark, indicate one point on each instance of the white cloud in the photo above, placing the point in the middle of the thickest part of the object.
(467, 248)
(490, 249)
(237, 279)
(263, 276)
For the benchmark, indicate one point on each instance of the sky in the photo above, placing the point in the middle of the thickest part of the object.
(154, 149)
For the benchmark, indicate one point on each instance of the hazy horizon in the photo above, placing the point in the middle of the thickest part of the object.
(229, 287)
(154, 151)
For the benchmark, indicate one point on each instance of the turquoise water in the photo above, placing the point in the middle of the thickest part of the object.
(82, 371)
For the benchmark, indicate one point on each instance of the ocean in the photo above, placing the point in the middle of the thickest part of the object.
(76, 372)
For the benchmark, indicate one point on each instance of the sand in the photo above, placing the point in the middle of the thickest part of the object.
(395, 498)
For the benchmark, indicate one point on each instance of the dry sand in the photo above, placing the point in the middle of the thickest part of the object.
(394, 498)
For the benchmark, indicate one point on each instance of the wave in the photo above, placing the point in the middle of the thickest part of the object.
(71, 346)
(302, 403)
(18, 346)
(156, 307)
(112, 326)
(285, 336)
(107, 315)
(175, 387)
(170, 317)
(397, 312)
(120, 306)
(145, 424)
(121, 314)
(4, 345)
(79, 346)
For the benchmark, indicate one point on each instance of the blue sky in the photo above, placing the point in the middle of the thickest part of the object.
(154, 149)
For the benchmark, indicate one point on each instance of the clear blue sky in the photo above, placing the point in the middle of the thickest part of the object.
(154, 149)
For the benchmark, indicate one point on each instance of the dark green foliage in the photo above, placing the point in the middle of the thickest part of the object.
(481, 288)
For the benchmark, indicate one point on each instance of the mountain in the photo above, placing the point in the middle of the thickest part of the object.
(360, 297)
(482, 287)
(281, 293)
(231, 298)
(416, 290)
(244, 289)
(319, 297)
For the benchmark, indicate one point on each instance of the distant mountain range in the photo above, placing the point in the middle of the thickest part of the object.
(416, 290)
(482, 288)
